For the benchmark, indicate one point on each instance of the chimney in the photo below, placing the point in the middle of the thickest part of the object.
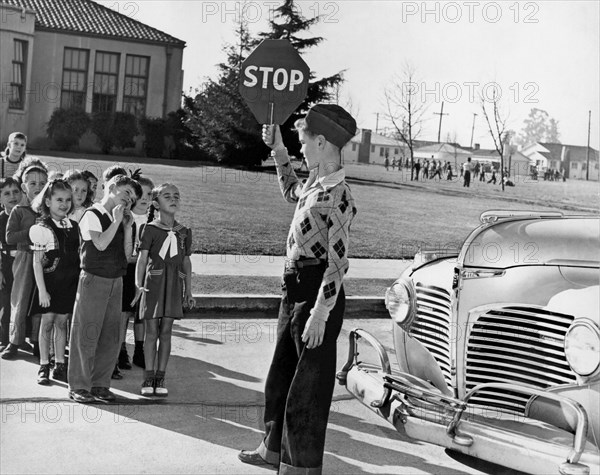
(476, 146)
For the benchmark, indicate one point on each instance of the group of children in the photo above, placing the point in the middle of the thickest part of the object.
(74, 271)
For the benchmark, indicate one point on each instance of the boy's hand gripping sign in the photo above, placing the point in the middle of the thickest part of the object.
(274, 81)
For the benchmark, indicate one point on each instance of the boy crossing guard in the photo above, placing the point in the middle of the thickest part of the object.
(300, 382)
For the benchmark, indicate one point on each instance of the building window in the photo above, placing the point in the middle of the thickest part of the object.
(372, 148)
(574, 165)
(354, 147)
(396, 151)
(381, 150)
(136, 85)
(74, 78)
(596, 166)
(584, 166)
(106, 73)
(17, 84)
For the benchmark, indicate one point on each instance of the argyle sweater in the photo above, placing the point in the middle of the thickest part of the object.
(320, 227)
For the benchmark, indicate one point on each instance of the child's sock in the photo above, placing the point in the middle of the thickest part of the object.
(149, 374)
(139, 346)
(160, 374)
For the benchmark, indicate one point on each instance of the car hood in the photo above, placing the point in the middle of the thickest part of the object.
(581, 303)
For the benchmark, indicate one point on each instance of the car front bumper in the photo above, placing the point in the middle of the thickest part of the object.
(422, 412)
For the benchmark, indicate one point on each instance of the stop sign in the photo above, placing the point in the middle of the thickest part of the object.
(274, 81)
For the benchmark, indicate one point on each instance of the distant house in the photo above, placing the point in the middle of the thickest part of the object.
(516, 162)
(78, 53)
(368, 147)
(568, 159)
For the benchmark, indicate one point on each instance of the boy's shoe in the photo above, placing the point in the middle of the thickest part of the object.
(116, 373)
(124, 360)
(10, 352)
(147, 387)
(3, 346)
(60, 372)
(81, 395)
(26, 347)
(44, 375)
(103, 394)
(138, 359)
(159, 387)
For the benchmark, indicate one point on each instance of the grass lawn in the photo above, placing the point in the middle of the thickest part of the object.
(221, 284)
(242, 212)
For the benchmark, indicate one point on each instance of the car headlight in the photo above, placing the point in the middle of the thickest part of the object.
(399, 300)
(582, 347)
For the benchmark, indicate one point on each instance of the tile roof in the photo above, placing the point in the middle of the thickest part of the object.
(90, 18)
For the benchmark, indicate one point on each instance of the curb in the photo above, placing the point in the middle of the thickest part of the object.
(267, 306)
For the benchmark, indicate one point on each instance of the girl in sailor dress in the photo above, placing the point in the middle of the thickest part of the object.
(163, 282)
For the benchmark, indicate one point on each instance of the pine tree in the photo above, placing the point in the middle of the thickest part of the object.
(287, 23)
(225, 128)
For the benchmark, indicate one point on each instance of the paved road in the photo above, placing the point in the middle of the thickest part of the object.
(216, 378)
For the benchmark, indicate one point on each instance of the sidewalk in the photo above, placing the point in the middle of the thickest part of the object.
(272, 266)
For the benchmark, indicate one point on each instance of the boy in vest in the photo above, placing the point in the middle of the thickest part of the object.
(95, 336)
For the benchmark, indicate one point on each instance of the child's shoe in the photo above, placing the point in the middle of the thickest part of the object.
(116, 373)
(10, 352)
(44, 375)
(159, 387)
(147, 387)
(60, 372)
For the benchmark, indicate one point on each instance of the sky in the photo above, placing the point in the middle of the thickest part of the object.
(543, 54)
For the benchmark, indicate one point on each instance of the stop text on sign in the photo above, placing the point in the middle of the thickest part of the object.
(280, 78)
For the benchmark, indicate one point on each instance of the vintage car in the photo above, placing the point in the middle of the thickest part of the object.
(498, 345)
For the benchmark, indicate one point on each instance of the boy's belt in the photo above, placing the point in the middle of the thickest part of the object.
(303, 262)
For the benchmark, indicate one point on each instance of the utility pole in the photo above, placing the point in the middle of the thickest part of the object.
(473, 129)
(377, 123)
(440, 113)
(587, 151)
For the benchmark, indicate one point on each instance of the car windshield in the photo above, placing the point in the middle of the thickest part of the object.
(565, 241)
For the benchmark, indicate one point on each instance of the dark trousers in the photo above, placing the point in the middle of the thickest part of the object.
(467, 181)
(7, 275)
(300, 382)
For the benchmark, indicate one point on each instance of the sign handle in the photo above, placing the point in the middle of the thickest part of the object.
(271, 125)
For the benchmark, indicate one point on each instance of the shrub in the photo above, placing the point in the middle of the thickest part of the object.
(155, 130)
(114, 129)
(66, 126)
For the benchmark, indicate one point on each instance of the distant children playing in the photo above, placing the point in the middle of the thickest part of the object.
(163, 281)
(10, 196)
(95, 335)
(56, 269)
(13, 155)
(33, 175)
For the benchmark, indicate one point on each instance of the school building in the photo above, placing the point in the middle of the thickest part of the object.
(78, 53)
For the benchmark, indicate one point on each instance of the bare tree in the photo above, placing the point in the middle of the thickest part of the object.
(405, 109)
(496, 120)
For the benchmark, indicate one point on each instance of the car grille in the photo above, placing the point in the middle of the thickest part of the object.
(520, 345)
(432, 325)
